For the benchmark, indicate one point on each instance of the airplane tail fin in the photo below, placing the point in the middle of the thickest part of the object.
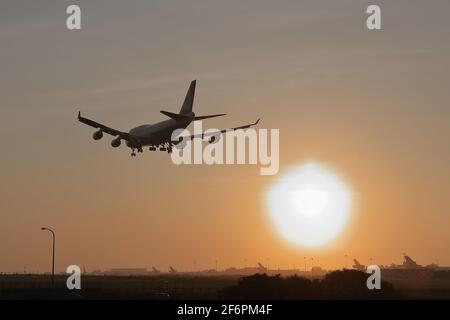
(189, 100)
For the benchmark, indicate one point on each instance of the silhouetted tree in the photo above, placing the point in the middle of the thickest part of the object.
(351, 284)
(347, 284)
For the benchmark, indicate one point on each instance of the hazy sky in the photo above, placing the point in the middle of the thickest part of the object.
(373, 105)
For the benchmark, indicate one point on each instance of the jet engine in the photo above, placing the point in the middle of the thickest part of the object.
(215, 138)
(97, 135)
(180, 143)
(116, 142)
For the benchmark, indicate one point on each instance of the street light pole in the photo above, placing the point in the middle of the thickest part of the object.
(53, 255)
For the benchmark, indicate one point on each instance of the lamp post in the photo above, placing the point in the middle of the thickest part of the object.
(53, 255)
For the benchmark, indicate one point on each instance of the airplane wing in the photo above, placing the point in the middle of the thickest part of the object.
(123, 135)
(215, 133)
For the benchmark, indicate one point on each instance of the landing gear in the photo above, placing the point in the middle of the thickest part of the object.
(163, 147)
(166, 147)
(133, 152)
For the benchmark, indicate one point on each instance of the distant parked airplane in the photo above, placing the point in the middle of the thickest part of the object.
(158, 134)
(155, 270)
(260, 266)
(358, 266)
(172, 270)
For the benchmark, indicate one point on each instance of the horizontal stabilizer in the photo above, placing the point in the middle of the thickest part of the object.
(174, 116)
(211, 116)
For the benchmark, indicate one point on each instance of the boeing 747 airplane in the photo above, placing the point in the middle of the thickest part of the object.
(158, 135)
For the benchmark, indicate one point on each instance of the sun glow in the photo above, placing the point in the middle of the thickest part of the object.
(310, 205)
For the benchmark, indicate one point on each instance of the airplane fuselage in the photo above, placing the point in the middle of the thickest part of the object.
(158, 133)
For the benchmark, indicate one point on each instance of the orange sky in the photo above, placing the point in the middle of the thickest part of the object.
(371, 105)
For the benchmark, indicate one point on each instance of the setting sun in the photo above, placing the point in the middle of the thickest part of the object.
(310, 205)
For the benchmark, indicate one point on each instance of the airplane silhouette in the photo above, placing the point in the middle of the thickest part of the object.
(154, 270)
(159, 134)
(358, 266)
(172, 270)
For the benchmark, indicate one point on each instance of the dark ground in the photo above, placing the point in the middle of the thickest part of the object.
(397, 284)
